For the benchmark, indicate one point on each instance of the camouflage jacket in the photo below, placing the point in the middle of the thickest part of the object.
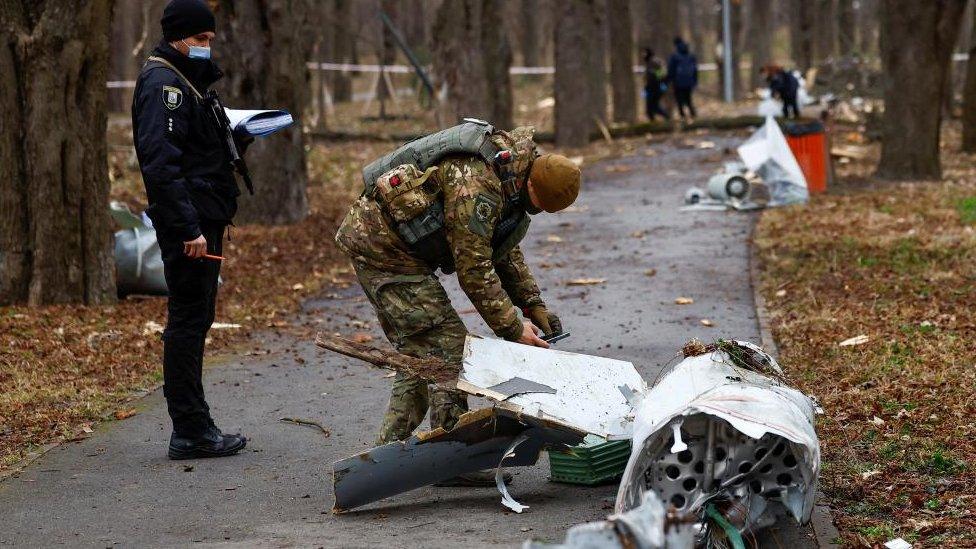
(473, 204)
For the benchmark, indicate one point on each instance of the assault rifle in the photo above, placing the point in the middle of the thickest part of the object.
(223, 126)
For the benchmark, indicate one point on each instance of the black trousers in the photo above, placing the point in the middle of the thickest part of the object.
(683, 97)
(789, 103)
(652, 104)
(192, 287)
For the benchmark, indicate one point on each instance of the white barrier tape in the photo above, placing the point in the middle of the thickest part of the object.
(407, 69)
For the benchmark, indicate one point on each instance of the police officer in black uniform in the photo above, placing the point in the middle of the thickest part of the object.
(192, 195)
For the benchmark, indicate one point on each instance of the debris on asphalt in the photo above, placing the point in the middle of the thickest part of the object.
(721, 430)
(648, 526)
(308, 422)
(766, 159)
(707, 323)
(720, 438)
(683, 301)
(585, 281)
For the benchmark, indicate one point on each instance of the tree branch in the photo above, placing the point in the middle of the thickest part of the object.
(433, 369)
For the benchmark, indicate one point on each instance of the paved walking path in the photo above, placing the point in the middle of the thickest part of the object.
(117, 487)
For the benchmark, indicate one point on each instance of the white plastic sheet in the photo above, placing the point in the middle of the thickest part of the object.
(767, 153)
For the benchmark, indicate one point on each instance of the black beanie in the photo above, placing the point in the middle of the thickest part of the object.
(184, 18)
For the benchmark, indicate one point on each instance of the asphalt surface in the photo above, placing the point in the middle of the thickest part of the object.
(117, 488)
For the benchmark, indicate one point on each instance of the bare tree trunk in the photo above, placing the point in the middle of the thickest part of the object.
(969, 94)
(151, 33)
(801, 33)
(55, 232)
(459, 61)
(263, 50)
(529, 32)
(867, 36)
(846, 27)
(660, 23)
(343, 40)
(580, 79)
(737, 47)
(692, 13)
(917, 39)
(824, 30)
(622, 61)
(123, 64)
(498, 59)
(761, 12)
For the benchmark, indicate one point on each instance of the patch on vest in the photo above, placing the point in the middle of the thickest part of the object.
(483, 217)
(172, 97)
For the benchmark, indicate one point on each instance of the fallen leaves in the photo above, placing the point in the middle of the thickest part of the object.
(707, 323)
(886, 272)
(683, 301)
(362, 337)
(124, 414)
(585, 281)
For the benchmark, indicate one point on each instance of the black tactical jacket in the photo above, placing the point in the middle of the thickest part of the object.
(184, 161)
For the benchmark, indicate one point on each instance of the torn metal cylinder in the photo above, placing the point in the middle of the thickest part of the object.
(716, 431)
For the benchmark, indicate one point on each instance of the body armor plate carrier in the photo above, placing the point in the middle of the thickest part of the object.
(424, 234)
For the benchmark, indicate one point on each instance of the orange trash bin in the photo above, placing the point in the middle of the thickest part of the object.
(808, 141)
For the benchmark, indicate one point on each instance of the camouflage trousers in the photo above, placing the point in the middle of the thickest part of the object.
(417, 317)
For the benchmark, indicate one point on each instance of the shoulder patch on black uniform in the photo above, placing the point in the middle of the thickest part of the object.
(172, 97)
(485, 212)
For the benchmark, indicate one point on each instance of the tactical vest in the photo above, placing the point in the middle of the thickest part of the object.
(424, 234)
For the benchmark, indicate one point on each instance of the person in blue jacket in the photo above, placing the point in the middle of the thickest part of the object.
(683, 76)
(192, 194)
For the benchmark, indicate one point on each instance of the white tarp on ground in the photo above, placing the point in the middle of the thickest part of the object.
(767, 153)
(587, 393)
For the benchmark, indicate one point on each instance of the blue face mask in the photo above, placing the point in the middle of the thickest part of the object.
(197, 52)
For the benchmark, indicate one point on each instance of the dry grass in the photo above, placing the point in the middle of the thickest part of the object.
(896, 264)
(64, 368)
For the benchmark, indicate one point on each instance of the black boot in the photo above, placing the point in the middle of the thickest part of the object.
(212, 443)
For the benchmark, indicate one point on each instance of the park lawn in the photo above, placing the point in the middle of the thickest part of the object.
(895, 263)
(64, 368)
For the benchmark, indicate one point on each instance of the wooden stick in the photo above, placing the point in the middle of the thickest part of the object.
(310, 423)
(432, 369)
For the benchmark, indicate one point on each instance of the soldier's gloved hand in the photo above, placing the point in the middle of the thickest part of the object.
(541, 317)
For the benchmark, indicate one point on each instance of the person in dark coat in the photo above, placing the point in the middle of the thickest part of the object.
(683, 76)
(192, 194)
(783, 86)
(654, 85)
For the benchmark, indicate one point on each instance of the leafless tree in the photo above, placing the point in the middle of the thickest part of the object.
(263, 51)
(498, 60)
(55, 234)
(761, 16)
(622, 61)
(459, 63)
(580, 79)
(969, 94)
(917, 39)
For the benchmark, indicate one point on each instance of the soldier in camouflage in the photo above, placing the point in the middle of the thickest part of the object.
(399, 279)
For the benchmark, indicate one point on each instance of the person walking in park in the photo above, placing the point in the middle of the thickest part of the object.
(458, 200)
(192, 196)
(654, 85)
(683, 77)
